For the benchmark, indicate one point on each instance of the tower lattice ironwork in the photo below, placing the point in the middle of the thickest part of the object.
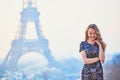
(20, 45)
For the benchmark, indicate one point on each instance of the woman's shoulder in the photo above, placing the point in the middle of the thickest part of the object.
(82, 45)
(83, 42)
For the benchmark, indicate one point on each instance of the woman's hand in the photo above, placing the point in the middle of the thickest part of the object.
(98, 42)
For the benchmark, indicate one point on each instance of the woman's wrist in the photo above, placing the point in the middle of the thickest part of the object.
(100, 46)
(97, 59)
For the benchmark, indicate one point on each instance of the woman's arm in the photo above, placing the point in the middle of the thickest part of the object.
(88, 60)
(101, 52)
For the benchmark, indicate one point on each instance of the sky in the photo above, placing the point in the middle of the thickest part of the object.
(63, 23)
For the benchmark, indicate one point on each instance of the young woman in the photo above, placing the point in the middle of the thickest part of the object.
(92, 50)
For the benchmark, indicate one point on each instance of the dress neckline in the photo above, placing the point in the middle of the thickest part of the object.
(90, 43)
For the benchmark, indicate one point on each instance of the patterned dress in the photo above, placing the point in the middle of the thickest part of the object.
(92, 71)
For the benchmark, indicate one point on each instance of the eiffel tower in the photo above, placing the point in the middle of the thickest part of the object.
(20, 45)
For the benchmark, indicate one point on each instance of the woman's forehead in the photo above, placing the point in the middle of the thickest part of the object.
(91, 30)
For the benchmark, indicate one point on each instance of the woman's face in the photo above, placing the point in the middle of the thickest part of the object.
(92, 34)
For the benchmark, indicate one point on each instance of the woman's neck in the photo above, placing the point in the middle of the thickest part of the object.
(91, 41)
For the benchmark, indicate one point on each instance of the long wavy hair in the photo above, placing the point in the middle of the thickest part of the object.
(99, 38)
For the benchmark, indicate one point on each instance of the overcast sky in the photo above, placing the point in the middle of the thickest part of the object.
(63, 23)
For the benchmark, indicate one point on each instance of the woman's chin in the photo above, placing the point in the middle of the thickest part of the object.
(92, 39)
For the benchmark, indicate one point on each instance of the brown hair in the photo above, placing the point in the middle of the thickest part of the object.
(99, 38)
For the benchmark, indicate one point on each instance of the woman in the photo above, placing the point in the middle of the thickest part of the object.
(93, 54)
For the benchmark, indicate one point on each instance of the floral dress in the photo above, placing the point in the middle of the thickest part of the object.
(92, 71)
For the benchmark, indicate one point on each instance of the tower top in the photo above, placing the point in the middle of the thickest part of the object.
(27, 3)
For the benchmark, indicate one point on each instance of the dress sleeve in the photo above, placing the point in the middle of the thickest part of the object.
(82, 47)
